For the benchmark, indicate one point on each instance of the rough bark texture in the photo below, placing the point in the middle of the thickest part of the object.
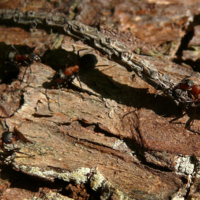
(111, 138)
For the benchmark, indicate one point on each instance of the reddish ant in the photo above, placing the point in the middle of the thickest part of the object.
(70, 72)
(67, 74)
(26, 58)
(192, 90)
(192, 99)
(17, 58)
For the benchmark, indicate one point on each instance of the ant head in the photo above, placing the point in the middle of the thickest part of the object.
(61, 75)
(189, 83)
(7, 137)
(34, 57)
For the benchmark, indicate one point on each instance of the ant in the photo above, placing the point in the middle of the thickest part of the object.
(70, 72)
(191, 99)
(193, 91)
(17, 58)
(67, 74)
(185, 84)
(8, 138)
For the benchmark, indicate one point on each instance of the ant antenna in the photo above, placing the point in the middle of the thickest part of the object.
(14, 48)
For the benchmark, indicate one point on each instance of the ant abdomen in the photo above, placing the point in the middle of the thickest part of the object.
(195, 91)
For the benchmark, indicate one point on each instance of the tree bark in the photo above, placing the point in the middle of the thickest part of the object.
(109, 138)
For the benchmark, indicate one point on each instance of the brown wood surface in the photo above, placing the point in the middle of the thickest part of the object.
(111, 138)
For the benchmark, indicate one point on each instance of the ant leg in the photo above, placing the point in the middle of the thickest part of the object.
(26, 70)
(103, 66)
(133, 111)
(177, 118)
(28, 66)
(191, 120)
(79, 80)
(189, 123)
(185, 78)
(74, 49)
(58, 94)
